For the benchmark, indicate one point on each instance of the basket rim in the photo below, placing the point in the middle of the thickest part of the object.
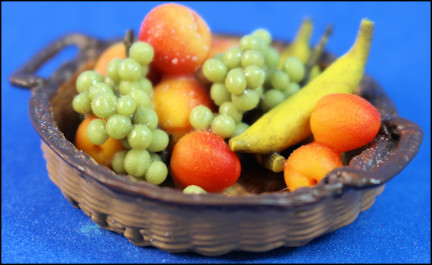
(336, 182)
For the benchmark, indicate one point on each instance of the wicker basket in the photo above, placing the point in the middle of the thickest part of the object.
(261, 219)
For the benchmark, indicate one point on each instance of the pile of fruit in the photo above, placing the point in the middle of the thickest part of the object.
(182, 103)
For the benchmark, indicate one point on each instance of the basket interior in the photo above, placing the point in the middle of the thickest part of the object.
(254, 179)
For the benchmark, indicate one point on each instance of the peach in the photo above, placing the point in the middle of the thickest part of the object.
(173, 100)
(103, 154)
(180, 37)
(204, 159)
(116, 50)
(344, 121)
(308, 164)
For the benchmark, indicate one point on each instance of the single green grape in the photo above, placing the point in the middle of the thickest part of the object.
(160, 141)
(111, 83)
(214, 70)
(259, 90)
(219, 94)
(125, 143)
(223, 125)
(263, 34)
(81, 103)
(272, 57)
(235, 82)
(147, 116)
(250, 42)
(200, 117)
(232, 57)
(279, 79)
(126, 105)
(142, 52)
(268, 74)
(118, 126)
(140, 136)
(156, 173)
(112, 69)
(86, 79)
(246, 101)
(98, 88)
(145, 85)
(129, 70)
(255, 76)
(136, 162)
(194, 189)
(145, 70)
(96, 132)
(229, 109)
(104, 105)
(141, 98)
(125, 87)
(291, 89)
(154, 156)
(252, 57)
(118, 162)
(272, 98)
(240, 128)
(294, 68)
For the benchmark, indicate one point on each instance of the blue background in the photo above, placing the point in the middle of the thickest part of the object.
(40, 226)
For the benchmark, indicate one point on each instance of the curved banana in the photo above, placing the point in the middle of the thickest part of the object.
(300, 47)
(288, 123)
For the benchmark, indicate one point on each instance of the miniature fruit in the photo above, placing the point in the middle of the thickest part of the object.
(288, 123)
(308, 164)
(204, 159)
(116, 50)
(358, 124)
(339, 122)
(180, 37)
(104, 153)
(173, 100)
(299, 48)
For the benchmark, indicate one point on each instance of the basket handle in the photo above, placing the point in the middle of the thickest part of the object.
(25, 76)
(409, 138)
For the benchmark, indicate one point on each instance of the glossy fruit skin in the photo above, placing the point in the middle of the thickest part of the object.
(103, 154)
(204, 159)
(180, 37)
(174, 99)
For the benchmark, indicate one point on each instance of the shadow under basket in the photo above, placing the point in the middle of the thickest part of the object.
(263, 218)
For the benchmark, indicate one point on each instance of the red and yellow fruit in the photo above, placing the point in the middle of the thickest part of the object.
(173, 100)
(203, 159)
(180, 37)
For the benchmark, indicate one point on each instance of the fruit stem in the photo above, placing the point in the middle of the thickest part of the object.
(316, 53)
(128, 40)
(273, 161)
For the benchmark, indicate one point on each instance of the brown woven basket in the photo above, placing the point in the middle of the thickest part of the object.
(260, 218)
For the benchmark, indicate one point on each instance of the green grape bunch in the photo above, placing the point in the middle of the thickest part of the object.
(122, 102)
(243, 78)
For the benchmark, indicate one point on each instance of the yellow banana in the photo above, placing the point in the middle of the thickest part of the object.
(300, 46)
(288, 123)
